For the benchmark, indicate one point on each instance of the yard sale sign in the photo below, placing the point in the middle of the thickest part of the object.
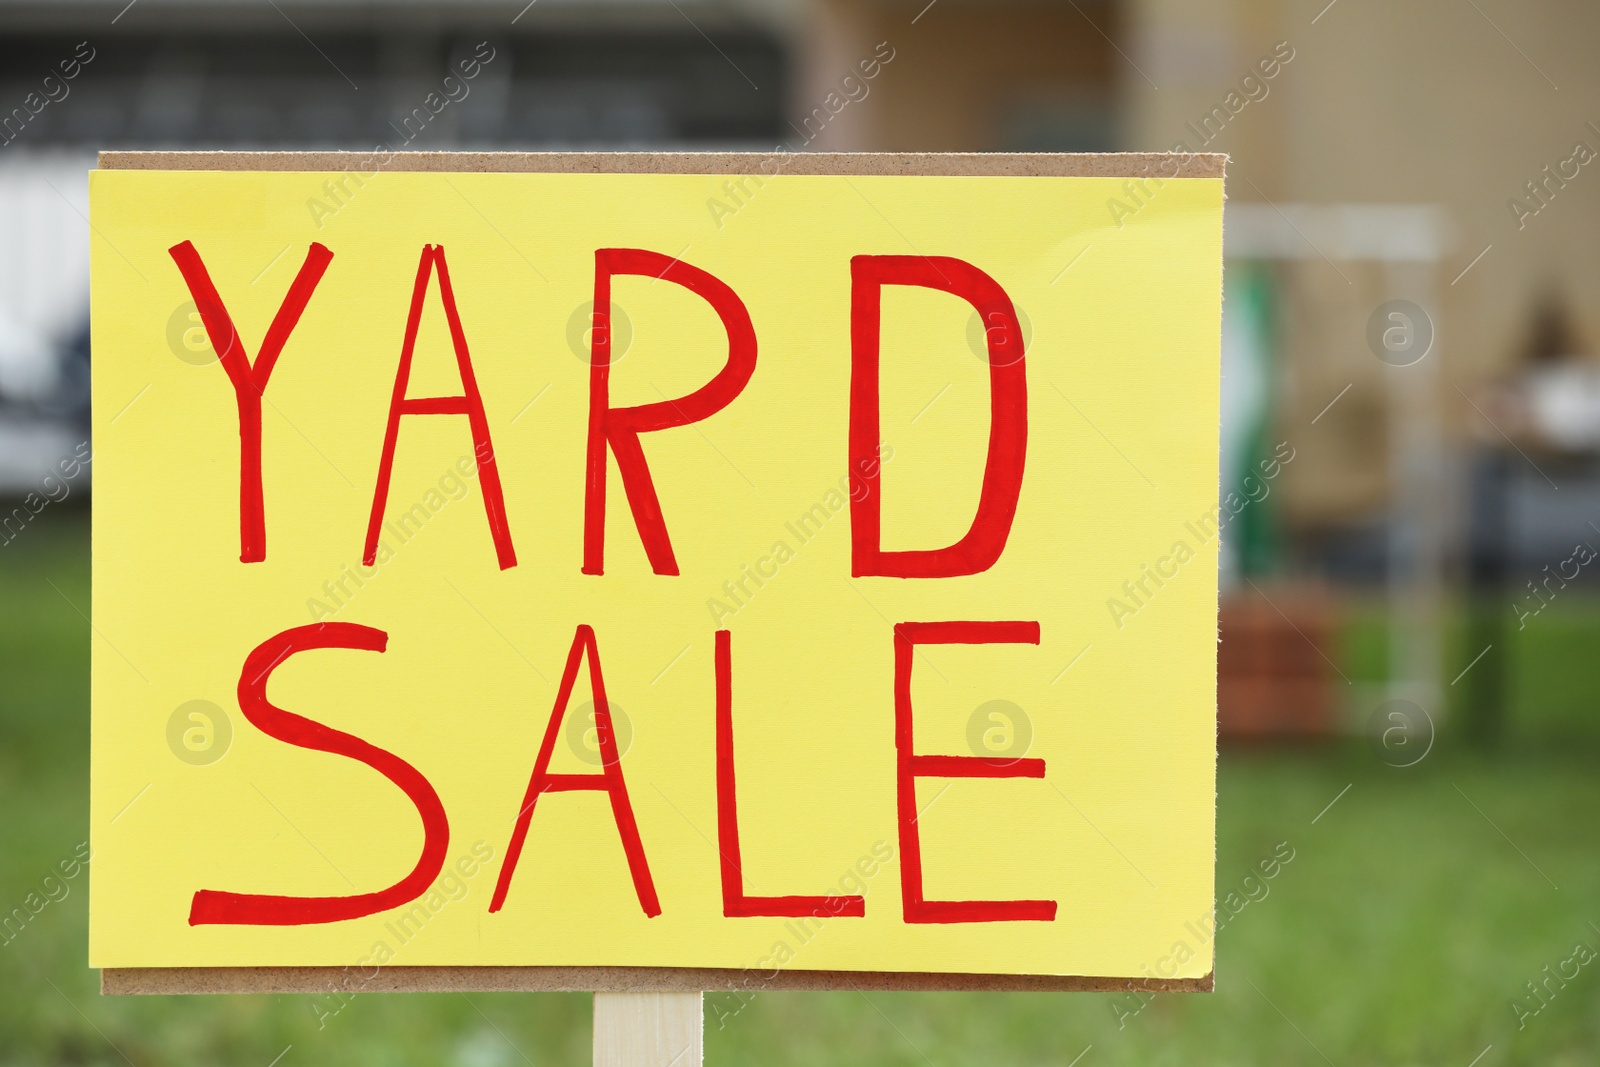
(767, 566)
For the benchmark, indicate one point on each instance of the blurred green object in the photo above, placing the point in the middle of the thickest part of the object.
(1439, 879)
(1249, 393)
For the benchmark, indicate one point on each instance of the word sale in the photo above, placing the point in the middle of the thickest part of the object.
(220, 907)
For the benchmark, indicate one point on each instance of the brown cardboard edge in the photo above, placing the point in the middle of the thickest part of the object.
(958, 164)
(119, 981)
(123, 981)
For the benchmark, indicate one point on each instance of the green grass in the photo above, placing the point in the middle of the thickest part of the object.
(1552, 675)
(1400, 933)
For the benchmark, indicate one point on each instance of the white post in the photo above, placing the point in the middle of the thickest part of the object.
(1417, 535)
(648, 1030)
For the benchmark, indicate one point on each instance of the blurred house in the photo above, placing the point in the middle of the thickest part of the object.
(1318, 103)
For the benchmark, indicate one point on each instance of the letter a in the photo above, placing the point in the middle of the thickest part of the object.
(608, 780)
(469, 403)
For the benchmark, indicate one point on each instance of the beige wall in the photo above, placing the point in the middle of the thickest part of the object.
(1423, 103)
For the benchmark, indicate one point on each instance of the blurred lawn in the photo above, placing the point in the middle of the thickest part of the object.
(1399, 934)
(1552, 683)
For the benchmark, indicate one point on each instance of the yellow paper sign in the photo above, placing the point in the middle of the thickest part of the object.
(809, 572)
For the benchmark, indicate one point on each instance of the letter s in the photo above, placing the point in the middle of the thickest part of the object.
(258, 909)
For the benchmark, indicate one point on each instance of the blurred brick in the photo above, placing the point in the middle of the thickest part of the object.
(1272, 681)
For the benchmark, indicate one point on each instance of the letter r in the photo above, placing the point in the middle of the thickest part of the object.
(619, 428)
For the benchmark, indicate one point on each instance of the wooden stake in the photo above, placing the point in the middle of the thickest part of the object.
(648, 1030)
